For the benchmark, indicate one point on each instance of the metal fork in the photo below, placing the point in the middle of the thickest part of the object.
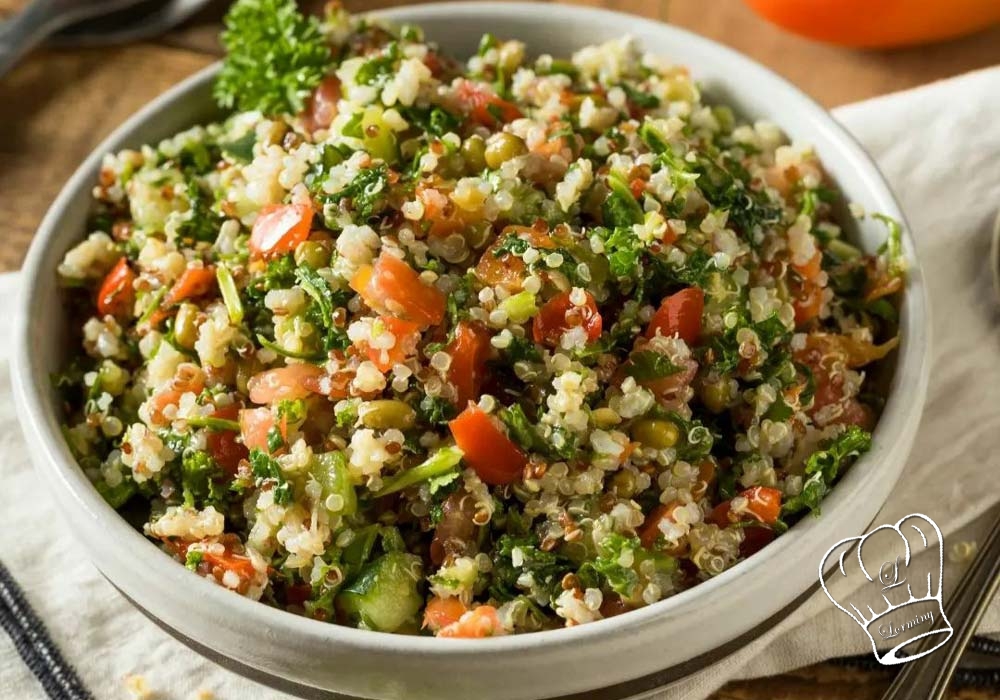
(88, 22)
(928, 679)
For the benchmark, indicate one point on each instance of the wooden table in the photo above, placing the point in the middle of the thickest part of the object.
(57, 106)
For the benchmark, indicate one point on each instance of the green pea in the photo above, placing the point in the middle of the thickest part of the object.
(623, 484)
(474, 153)
(656, 433)
(502, 147)
(186, 326)
(312, 253)
(387, 413)
(715, 395)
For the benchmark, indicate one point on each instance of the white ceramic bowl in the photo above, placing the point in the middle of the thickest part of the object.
(303, 654)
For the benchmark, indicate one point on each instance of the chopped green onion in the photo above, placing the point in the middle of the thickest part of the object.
(438, 464)
(271, 345)
(230, 295)
(154, 304)
(213, 423)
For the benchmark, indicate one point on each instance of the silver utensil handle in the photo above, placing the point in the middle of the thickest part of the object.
(27, 29)
(928, 678)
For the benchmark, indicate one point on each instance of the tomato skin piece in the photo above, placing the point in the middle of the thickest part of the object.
(279, 229)
(228, 560)
(764, 505)
(407, 335)
(193, 282)
(255, 423)
(283, 383)
(321, 109)
(862, 23)
(679, 314)
(755, 539)
(649, 532)
(559, 314)
(393, 287)
(811, 269)
(116, 296)
(223, 445)
(487, 449)
(469, 351)
(441, 612)
(484, 106)
(481, 621)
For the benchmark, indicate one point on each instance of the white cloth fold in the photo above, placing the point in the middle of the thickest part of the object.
(938, 147)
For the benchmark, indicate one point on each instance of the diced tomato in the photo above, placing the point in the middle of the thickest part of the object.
(441, 216)
(321, 109)
(679, 314)
(297, 593)
(224, 445)
(116, 295)
(559, 314)
(469, 351)
(503, 270)
(755, 539)
(486, 448)
(613, 605)
(393, 287)
(193, 282)
(637, 186)
(484, 106)
(279, 229)
(158, 402)
(763, 505)
(239, 565)
(189, 378)
(482, 621)
(433, 62)
(283, 383)
(807, 302)
(255, 424)
(829, 387)
(549, 148)
(406, 334)
(442, 612)
(811, 269)
(649, 532)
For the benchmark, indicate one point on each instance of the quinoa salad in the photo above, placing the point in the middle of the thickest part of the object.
(467, 348)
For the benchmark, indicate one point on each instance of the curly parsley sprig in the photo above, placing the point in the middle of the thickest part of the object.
(275, 56)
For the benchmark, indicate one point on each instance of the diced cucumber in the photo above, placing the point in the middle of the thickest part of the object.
(377, 136)
(385, 596)
(330, 470)
(520, 307)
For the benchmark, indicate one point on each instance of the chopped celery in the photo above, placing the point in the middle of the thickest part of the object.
(385, 596)
(439, 463)
(330, 470)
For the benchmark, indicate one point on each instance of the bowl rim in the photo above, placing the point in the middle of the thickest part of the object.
(61, 469)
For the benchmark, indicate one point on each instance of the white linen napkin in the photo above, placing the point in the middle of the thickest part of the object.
(937, 145)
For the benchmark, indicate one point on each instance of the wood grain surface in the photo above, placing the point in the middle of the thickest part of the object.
(57, 105)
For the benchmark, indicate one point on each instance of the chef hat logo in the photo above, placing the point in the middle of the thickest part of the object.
(895, 601)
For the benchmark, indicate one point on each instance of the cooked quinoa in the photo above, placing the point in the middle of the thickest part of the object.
(467, 349)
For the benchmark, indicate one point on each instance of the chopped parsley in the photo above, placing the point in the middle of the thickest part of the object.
(275, 56)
